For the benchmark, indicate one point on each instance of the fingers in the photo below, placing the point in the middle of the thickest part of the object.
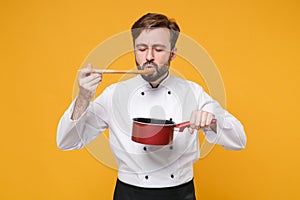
(200, 119)
(209, 119)
(84, 72)
(88, 82)
(192, 122)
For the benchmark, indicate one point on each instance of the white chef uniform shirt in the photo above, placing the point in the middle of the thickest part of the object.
(147, 165)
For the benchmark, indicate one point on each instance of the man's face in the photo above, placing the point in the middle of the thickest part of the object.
(153, 52)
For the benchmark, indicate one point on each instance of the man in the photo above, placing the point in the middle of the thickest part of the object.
(148, 171)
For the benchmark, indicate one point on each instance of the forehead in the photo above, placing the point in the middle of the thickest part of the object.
(154, 36)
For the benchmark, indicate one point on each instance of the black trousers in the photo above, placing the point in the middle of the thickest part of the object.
(124, 191)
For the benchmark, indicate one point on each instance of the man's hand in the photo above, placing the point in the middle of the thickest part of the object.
(88, 83)
(200, 119)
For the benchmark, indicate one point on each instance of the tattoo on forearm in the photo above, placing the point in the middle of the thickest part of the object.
(79, 109)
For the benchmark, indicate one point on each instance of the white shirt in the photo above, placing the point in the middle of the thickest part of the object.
(146, 165)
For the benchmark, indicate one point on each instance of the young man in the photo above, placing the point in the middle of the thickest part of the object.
(147, 171)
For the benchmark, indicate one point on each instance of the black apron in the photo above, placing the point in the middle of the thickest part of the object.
(125, 191)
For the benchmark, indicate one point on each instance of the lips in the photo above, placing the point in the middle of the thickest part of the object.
(149, 67)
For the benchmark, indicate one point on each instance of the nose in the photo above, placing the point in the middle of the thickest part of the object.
(150, 55)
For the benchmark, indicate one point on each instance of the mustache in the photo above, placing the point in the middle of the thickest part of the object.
(150, 63)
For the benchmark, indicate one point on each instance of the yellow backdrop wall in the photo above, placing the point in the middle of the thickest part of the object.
(255, 45)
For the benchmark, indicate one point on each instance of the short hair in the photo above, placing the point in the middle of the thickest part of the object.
(154, 20)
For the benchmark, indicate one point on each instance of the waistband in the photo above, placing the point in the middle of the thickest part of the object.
(191, 182)
(124, 191)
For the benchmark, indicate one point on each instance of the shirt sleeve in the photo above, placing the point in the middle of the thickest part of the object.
(230, 132)
(75, 134)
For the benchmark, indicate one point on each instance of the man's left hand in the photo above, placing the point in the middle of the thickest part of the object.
(200, 119)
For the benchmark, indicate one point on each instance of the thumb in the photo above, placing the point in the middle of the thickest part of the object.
(90, 66)
(86, 71)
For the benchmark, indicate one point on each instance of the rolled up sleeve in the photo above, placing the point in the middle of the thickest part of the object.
(75, 134)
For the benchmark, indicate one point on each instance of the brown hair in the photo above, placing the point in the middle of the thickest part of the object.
(154, 20)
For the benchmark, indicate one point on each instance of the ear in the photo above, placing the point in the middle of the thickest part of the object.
(173, 54)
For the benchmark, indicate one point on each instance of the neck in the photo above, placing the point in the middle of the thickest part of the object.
(156, 83)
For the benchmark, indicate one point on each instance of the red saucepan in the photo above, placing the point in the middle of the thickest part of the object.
(156, 131)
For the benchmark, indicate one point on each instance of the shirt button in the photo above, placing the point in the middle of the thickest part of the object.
(142, 93)
(146, 177)
(171, 147)
(145, 148)
(169, 92)
(172, 176)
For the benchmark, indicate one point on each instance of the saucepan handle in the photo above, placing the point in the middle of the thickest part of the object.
(213, 121)
(184, 125)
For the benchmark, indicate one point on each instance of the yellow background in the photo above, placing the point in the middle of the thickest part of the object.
(255, 45)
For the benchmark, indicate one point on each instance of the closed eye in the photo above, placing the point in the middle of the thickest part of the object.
(142, 49)
(159, 50)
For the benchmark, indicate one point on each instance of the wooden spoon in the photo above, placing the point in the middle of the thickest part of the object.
(112, 71)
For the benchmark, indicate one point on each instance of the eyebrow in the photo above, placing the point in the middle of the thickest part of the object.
(154, 45)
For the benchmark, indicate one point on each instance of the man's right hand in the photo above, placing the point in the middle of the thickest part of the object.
(88, 83)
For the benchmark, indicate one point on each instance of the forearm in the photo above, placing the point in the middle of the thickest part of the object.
(81, 104)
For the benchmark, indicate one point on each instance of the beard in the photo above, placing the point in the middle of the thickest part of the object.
(159, 71)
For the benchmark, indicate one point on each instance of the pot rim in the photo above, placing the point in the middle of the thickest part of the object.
(136, 120)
